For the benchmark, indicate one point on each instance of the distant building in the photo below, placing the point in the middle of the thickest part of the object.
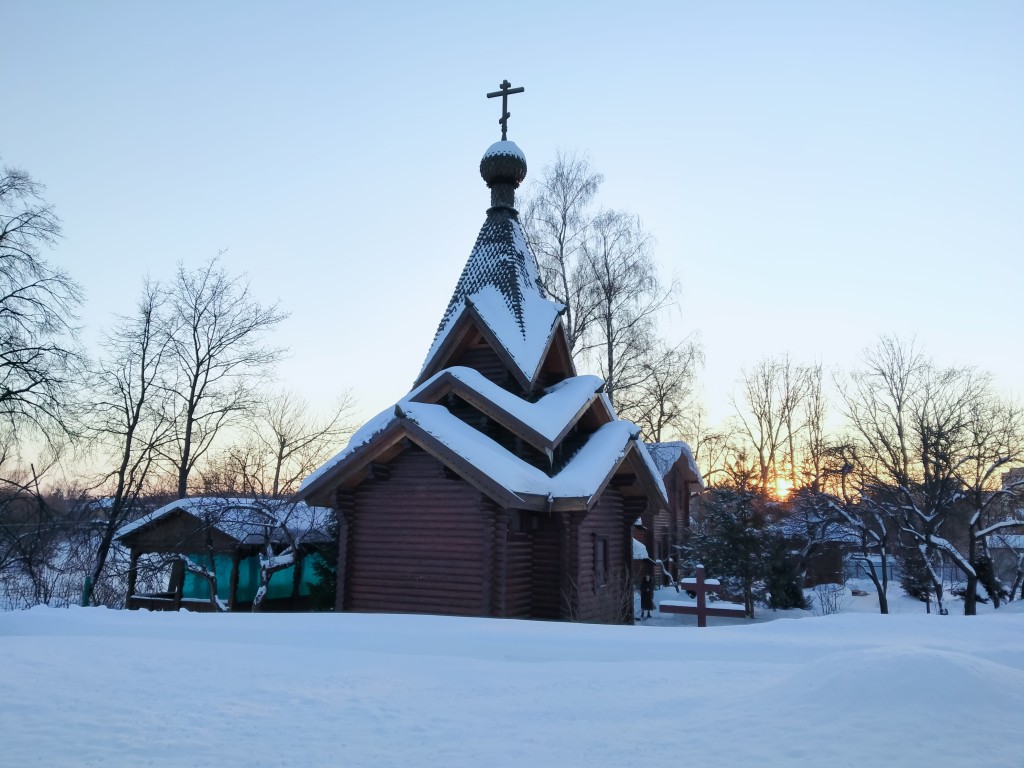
(664, 530)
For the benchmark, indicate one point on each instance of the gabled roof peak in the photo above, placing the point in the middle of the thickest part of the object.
(501, 280)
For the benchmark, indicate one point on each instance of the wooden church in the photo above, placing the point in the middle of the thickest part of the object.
(503, 484)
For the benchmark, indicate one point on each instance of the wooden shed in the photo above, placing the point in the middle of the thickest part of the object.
(663, 531)
(503, 484)
(222, 550)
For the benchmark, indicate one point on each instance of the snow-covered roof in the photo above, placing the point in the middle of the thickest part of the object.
(501, 285)
(582, 477)
(665, 456)
(246, 520)
(802, 525)
(547, 418)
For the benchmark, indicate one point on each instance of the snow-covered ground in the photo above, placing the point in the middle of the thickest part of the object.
(117, 688)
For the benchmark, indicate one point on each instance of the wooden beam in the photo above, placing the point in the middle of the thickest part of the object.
(236, 559)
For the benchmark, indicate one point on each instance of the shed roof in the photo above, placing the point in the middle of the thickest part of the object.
(246, 520)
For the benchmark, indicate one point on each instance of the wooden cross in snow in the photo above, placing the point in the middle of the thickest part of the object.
(505, 92)
(701, 586)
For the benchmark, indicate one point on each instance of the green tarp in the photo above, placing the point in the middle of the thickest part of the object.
(248, 578)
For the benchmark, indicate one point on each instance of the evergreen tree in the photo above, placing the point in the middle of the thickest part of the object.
(728, 541)
(783, 581)
(915, 579)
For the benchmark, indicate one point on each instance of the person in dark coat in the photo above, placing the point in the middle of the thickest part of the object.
(646, 597)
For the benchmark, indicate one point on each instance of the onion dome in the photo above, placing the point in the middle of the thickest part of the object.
(503, 163)
(503, 167)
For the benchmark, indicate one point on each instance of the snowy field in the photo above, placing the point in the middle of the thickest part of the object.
(115, 688)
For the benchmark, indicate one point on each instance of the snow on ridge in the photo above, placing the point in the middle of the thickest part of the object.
(524, 338)
(548, 416)
(595, 459)
(579, 478)
(506, 469)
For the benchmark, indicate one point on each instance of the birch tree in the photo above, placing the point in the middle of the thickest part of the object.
(627, 295)
(557, 218)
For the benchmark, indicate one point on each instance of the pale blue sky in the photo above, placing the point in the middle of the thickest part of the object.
(815, 173)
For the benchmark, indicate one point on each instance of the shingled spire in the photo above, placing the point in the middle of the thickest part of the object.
(500, 288)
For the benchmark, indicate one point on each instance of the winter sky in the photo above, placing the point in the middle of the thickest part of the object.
(815, 174)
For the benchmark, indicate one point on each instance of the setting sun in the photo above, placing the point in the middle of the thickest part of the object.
(783, 487)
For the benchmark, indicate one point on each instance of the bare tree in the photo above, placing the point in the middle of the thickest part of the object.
(934, 440)
(556, 219)
(298, 441)
(878, 405)
(38, 357)
(995, 442)
(664, 401)
(771, 395)
(599, 265)
(290, 527)
(817, 447)
(627, 295)
(30, 533)
(130, 425)
(217, 347)
(712, 447)
(867, 521)
(282, 445)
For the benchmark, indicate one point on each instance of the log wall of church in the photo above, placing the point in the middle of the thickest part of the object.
(603, 579)
(415, 542)
(545, 568)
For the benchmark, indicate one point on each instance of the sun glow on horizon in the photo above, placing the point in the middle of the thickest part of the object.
(783, 488)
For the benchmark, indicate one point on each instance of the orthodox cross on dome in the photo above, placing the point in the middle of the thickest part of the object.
(505, 92)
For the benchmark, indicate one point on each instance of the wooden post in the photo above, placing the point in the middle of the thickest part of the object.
(568, 576)
(702, 597)
(177, 582)
(495, 597)
(296, 577)
(133, 575)
(341, 566)
(344, 510)
(236, 560)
